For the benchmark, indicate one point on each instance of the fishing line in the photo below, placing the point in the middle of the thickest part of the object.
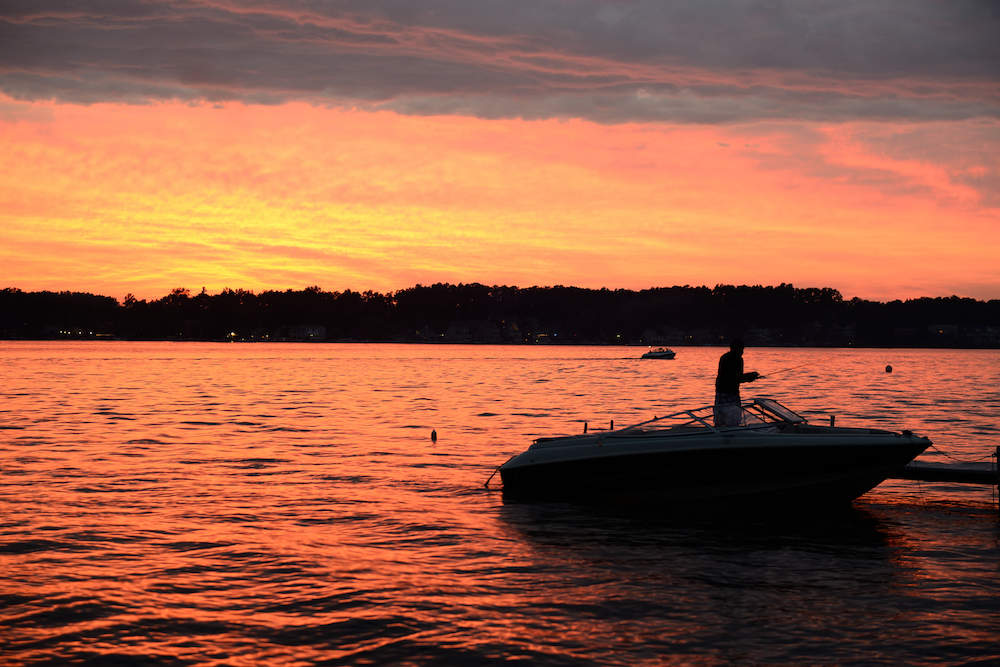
(783, 370)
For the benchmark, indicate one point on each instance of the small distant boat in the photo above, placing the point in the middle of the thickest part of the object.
(770, 453)
(660, 353)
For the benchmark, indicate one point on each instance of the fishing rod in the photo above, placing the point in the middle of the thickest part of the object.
(783, 370)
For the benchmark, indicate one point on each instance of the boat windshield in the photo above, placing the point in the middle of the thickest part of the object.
(756, 412)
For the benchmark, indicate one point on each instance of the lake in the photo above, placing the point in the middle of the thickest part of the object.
(249, 504)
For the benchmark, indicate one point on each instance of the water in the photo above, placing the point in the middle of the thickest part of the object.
(214, 504)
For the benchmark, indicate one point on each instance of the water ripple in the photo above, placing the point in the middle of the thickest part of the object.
(181, 504)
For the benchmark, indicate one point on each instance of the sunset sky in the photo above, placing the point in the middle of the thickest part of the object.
(381, 144)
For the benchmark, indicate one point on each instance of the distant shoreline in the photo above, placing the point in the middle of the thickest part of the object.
(486, 344)
(781, 316)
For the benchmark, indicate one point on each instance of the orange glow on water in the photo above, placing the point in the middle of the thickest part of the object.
(141, 199)
(283, 503)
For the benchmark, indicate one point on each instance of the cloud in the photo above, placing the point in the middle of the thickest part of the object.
(611, 61)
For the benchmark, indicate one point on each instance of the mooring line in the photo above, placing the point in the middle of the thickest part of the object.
(487, 484)
(983, 458)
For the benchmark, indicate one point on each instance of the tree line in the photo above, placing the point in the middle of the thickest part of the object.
(762, 315)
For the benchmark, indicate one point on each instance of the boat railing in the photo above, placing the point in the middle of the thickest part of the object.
(754, 412)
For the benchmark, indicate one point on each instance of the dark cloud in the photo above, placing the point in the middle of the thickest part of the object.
(707, 61)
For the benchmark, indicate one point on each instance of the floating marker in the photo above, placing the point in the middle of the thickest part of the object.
(434, 436)
(888, 369)
(584, 427)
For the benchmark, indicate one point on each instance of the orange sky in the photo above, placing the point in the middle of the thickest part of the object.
(115, 199)
(365, 146)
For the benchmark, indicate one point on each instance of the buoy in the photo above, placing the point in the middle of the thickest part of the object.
(584, 427)
(434, 436)
(888, 369)
(612, 424)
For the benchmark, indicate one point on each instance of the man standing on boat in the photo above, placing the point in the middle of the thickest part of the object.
(727, 410)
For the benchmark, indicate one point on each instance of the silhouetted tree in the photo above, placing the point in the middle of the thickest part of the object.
(782, 315)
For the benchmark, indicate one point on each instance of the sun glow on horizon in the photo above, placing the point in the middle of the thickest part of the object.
(115, 199)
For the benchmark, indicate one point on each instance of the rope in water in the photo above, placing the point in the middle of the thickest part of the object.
(487, 484)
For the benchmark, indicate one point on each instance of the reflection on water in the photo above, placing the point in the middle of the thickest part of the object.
(816, 586)
(836, 528)
(284, 504)
(711, 578)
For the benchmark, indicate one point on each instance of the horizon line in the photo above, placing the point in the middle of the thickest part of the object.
(317, 288)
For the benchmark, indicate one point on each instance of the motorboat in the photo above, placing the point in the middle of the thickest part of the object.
(660, 353)
(768, 452)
